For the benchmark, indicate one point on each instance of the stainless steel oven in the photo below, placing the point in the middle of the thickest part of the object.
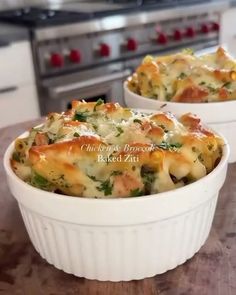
(105, 82)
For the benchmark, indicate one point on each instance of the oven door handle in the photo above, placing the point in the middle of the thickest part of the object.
(59, 90)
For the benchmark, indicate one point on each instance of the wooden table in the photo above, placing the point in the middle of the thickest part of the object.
(23, 272)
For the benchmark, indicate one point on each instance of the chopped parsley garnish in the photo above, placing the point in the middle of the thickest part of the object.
(169, 146)
(188, 51)
(116, 172)
(136, 192)
(98, 103)
(137, 121)
(39, 181)
(106, 187)
(227, 84)
(76, 134)
(95, 127)
(16, 157)
(211, 89)
(168, 96)
(120, 131)
(200, 157)
(92, 177)
(210, 146)
(164, 128)
(202, 83)
(182, 76)
(81, 116)
(148, 176)
(60, 181)
(37, 129)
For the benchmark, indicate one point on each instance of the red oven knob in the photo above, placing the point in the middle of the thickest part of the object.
(132, 44)
(75, 56)
(177, 36)
(205, 28)
(56, 60)
(162, 39)
(215, 27)
(104, 50)
(190, 32)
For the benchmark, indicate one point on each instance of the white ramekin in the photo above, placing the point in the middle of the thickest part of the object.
(119, 239)
(220, 116)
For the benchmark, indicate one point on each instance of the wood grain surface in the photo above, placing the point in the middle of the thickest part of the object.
(212, 271)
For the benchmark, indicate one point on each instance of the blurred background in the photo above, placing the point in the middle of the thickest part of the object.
(54, 51)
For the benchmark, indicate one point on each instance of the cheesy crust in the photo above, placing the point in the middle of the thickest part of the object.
(184, 77)
(99, 150)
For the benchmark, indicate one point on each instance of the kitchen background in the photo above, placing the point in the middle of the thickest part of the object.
(54, 51)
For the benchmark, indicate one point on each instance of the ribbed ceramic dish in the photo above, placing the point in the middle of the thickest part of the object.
(220, 116)
(119, 239)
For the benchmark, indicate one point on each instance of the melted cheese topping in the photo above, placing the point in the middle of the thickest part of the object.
(184, 77)
(103, 150)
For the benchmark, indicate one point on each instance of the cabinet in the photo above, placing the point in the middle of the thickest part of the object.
(18, 95)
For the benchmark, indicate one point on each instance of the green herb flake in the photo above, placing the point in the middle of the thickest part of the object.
(37, 129)
(95, 127)
(81, 116)
(76, 134)
(98, 103)
(202, 83)
(116, 172)
(210, 146)
(120, 131)
(148, 177)
(188, 51)
(39, 181)
(164, 128)
(106, 187)
(168, 96)
(212, 89)
(16, 157)
(200, 158)
(137, 121)
(182, 76)
(92, 177)
(227, 84)
(136, 192)
(170, 146)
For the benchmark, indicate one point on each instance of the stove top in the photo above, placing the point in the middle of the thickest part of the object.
(79, 11)
(39, 17)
